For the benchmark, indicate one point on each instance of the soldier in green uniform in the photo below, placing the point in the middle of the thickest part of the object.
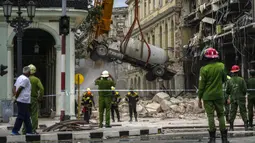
(227, 104)
(87, 102)
(105, 82)
(132, 98)
(115, 104)
(37, 91)
(237, 88)
(251, 97)
(212, 77)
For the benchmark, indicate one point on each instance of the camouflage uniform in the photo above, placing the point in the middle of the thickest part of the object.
(36, 86)
(227, 106)
(105, 100)
(212, 77)
(236, 88)
(251, 97)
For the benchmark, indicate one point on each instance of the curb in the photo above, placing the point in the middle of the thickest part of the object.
(80, 135)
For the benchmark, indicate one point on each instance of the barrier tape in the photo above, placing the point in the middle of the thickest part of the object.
(126, 90)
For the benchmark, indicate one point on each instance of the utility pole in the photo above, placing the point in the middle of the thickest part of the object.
(63, 52)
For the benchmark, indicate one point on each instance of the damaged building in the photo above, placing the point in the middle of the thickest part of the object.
(226, 25)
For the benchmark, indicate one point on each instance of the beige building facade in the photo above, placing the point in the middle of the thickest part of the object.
(161, 26)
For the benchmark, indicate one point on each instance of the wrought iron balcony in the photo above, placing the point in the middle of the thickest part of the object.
(76, 4)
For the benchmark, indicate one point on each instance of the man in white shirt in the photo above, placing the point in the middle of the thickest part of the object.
(22, 95)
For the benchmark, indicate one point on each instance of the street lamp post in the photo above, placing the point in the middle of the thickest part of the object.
(19, 24)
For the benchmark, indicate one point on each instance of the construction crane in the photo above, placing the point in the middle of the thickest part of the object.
(138, 53)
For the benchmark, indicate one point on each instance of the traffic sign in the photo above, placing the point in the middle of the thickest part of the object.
(79, 78)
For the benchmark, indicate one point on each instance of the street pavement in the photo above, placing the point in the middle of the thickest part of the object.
(158, 139)
(190, 126)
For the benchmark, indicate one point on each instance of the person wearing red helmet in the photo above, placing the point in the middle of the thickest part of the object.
(212, 77)
(251, 97)
(237, 88)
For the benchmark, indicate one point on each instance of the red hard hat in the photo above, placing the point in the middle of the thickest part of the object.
(211, 53)
(235, 68)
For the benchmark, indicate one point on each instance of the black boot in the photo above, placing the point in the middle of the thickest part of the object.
(227, 118)
(246, 125)
(119, 120)
(251, 124)
(212, 136)
(231, 128)
(224, 136)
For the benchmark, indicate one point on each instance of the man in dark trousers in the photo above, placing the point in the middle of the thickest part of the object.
(132, 98)
(212, 77)
(237, 89)
(251, 97)
(115, 104)
(87, 103)
(22, 94)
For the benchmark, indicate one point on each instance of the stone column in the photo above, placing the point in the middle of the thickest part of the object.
(60, 95)
(10, 74)
(70, 73)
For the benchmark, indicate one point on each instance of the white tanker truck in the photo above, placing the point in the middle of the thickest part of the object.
(136, 54)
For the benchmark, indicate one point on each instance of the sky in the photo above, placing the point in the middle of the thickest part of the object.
(119, 3)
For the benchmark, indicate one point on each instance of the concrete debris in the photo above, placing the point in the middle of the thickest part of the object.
(153, 108)
(162, 106)
(175, 100)
(160, 96)
(165, 105)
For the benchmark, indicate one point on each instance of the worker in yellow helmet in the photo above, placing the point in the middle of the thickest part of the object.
(87, 103)
(115, 104)
(37, 92)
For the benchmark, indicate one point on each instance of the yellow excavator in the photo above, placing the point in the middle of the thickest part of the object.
(138, 53)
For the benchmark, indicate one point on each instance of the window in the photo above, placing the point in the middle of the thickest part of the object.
(160, 37)
(145, 8)
(166, 36)
(192, 5)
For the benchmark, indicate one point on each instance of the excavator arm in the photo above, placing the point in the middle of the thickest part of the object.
(105, 21)
(136, 52)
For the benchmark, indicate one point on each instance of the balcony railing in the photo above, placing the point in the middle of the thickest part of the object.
(76, 4)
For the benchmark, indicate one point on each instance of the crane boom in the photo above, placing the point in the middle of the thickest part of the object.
(136, 53)
(106, 20)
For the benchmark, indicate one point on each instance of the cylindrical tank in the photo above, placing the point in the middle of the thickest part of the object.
(139, 50)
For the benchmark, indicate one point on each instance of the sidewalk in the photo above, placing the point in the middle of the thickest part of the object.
(145, 126)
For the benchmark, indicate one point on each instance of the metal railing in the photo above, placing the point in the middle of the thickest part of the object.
(76, 4)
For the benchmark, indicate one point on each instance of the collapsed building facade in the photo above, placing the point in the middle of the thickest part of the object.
(228, 26)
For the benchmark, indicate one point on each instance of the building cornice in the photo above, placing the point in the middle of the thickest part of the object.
(77, 16)
(157, 18)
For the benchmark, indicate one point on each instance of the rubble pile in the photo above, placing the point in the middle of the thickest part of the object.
(162, 106)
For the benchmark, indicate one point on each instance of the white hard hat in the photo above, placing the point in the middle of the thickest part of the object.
(32, 69)
(105, 74)
(88, 89)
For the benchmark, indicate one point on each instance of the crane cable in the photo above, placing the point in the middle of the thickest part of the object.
(127, 37)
